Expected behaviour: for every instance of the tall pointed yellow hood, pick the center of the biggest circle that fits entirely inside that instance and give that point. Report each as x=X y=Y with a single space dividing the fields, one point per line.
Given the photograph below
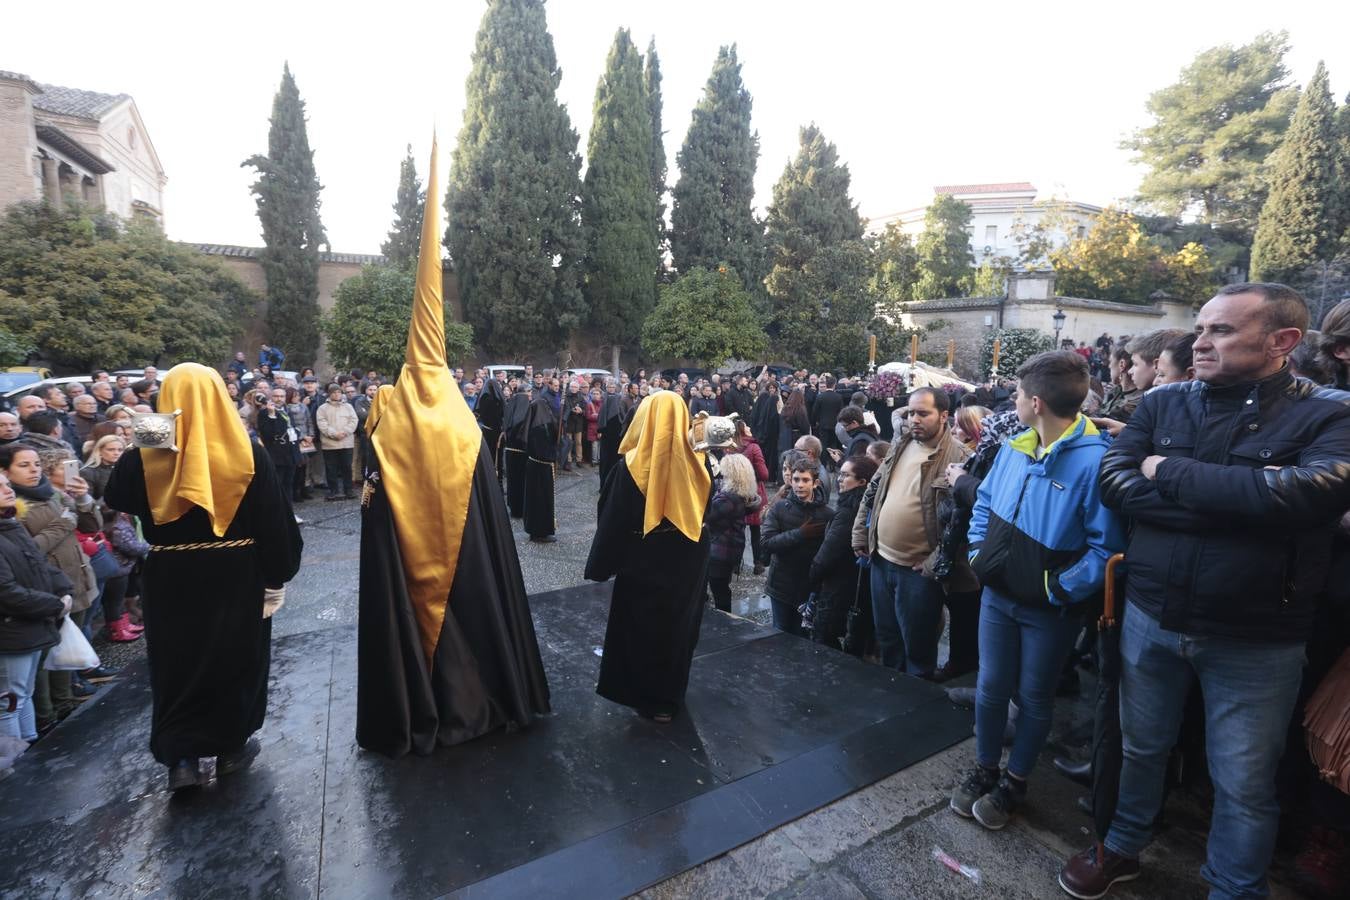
x=428 y=442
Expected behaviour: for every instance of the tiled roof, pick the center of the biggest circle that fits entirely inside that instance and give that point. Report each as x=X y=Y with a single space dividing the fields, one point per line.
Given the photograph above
x=1008 y=187
x=959 y=303
x=79 y=104
x=237 y=251
x=20 y=77
x=60 y=141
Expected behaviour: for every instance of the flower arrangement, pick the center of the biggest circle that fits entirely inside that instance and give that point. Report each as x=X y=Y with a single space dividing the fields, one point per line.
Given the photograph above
x=886 y=385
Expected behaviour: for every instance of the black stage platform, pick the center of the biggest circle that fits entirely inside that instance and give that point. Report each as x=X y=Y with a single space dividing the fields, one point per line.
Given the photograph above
x=592 y=801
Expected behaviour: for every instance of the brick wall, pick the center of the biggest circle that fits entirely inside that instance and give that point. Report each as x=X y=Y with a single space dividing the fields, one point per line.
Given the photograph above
x=18 y=146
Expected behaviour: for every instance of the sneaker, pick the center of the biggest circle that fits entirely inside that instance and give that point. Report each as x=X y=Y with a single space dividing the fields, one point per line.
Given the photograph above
x=299 y=521
x=995 y=808
x=1090 y=874
x=80 y=691
x=979 y=782
x=101 y=674
x=962 y=696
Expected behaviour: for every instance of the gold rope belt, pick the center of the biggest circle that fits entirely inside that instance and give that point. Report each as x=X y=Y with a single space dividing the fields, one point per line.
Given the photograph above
x=204 y=545
x=512 y=450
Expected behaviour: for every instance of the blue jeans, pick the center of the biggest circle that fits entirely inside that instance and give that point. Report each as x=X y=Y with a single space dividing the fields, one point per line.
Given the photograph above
x=1022 y=651
x=786 y=617
x=1249 y=689
x=907 y=609
x=18 y=674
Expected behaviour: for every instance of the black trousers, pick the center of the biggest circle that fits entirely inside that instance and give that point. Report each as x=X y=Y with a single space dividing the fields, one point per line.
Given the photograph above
x=720 y=588
x=338 y=465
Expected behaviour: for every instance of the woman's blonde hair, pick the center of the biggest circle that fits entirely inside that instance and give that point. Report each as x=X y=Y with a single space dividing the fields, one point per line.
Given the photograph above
x=93 y=458
x=738 y=476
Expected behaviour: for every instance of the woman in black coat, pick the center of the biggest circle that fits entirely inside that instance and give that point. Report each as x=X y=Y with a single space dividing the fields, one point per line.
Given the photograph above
x=834 y=570
x=34 y=598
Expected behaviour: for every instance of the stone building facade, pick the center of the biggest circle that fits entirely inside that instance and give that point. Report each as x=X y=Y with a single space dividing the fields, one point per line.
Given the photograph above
x=68 y=142
x=1031 y=302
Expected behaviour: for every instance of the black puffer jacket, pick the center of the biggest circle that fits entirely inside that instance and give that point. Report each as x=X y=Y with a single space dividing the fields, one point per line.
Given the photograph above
x=789 y=574
x=30 y=592
x=1223 y=545
x=834 y=570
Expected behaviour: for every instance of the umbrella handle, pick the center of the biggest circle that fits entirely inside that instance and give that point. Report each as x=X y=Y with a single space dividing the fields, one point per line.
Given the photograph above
x=1108 y=617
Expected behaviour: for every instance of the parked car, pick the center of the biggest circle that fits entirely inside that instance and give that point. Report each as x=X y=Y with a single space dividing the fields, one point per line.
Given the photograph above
x=19 y=376
x=13 y=394
x=694 y=374
x=589 y=374
x=512 y=370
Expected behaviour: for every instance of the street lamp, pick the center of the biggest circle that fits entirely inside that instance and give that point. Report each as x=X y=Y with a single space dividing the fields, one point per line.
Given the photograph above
x=1059 y=318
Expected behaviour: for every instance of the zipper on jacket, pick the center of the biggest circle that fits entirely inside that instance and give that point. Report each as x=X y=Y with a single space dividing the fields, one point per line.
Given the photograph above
x=1017 y=508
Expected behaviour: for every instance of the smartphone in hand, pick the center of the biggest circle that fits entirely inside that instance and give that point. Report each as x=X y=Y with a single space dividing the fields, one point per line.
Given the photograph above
x=70 y=470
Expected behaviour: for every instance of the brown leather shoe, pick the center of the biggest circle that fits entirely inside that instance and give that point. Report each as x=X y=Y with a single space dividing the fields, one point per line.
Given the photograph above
x=1090 y=874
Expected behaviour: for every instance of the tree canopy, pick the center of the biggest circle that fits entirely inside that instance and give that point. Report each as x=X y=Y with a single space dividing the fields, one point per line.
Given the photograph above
x=618 y=203
x=704 y=315
x=651 y=74
x=1300 y=221
x=514 y=193
x=367 y=327
x=945 y=263
x=1206 y=150
x=87 y=290
x=713 y=222
x=1117 y=260
x=404 y=241
x=287 y=193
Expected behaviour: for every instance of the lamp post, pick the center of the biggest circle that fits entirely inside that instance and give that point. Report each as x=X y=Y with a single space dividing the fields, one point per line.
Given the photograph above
x=1059 y=318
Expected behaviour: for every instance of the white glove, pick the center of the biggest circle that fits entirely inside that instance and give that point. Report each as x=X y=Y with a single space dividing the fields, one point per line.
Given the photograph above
x=273 y=600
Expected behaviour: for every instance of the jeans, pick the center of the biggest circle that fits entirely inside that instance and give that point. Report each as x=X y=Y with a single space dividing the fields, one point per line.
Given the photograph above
x=338 y=464
x=907 y=610
x=786 y=616
x=1249 y=690
x=18 y=676
x=1022 y=649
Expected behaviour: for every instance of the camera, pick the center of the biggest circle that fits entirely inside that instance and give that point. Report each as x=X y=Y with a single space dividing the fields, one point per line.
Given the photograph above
x=261 y=398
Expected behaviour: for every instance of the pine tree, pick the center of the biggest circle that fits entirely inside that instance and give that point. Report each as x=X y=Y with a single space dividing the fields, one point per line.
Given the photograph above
x=712 y=222
x=618 y=208
x=1343 y=172
x=1298 y=222
x=945 y=261
x=811 y=213
x=401 y=247
x=652 y=78
x=514 y=195
x=287 y=192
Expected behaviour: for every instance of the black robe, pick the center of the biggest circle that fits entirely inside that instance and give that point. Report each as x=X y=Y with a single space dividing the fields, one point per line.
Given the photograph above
x=657 y=604
x=490 y=410
x=514 y=452
x=208 y=644
x=541 y=449
x=764 y=426
x=486 y=672
x=611 y=433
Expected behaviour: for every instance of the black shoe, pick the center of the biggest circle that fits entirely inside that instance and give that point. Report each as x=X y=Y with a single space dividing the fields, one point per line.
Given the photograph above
x=331 y=497
x=81 y=691
x=229 y=763
x=184 y=774
x=349 y=495
x=546 y=539
x=100 y=675
x=1081 y=773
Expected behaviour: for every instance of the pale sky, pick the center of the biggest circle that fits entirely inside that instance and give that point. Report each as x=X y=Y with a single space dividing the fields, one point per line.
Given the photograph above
x=913 y=95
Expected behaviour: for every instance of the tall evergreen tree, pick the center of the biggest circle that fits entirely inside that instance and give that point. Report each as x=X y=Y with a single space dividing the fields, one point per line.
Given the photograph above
x=811 y=213
x=652 y=77
x=1212 y=132
x=514 y=195
x=1299 y=221
x=712 y=221
x=1343 y=172
x=618 y=208
x=945 y=261
x=401 y=247
x=287 y=192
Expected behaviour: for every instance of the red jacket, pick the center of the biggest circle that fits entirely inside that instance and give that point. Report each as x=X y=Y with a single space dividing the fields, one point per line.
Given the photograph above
x=593 y=420
x=750 y=450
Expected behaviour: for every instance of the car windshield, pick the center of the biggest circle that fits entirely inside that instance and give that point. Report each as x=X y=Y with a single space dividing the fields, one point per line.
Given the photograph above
x=13 y=380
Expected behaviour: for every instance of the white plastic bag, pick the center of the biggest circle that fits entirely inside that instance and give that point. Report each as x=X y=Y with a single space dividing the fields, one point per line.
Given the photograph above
x=74 y=653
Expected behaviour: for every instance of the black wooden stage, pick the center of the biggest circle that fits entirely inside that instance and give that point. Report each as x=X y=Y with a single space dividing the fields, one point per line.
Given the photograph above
x=590 y=802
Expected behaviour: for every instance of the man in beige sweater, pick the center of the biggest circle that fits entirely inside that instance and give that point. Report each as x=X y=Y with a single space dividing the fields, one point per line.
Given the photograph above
x=897 y=528
x=336 y=421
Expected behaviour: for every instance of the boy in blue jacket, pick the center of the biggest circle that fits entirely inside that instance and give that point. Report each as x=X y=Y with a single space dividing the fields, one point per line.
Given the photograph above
x=1039 y=541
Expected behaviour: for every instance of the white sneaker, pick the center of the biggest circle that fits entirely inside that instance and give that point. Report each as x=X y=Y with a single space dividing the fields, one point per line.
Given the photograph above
x=298 y=520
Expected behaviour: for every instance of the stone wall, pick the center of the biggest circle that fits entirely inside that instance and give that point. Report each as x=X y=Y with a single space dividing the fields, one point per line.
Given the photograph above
x=18 y=146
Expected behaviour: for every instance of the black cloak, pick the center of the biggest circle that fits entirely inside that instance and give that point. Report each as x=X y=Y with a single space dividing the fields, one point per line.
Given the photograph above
x=514 y=451
x=541 y=449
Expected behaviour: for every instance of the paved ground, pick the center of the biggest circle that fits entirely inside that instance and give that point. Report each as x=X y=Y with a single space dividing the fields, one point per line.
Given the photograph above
x=887 y=840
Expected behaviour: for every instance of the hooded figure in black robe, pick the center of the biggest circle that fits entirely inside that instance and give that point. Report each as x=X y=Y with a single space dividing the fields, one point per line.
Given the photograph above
x=611 y=432
x=221 y=530
x=541 y=452
x=650 y=539
x=446 y=650
x=490 y=410
x=764 y=425
x=514 y=451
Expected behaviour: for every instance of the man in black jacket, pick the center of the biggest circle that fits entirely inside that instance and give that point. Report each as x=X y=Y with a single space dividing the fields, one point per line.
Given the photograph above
x=826 y=412
x=1234 y=483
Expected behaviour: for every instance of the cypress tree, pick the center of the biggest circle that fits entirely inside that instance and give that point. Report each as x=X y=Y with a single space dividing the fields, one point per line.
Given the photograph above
x=652 y=78
x=811 y=214
x=514 y=194
x=945 y=263
x=1343 y=172
x=401 y=247
x=618 y=207
x=712 y=222
x=287 y=192
x=1297 y=225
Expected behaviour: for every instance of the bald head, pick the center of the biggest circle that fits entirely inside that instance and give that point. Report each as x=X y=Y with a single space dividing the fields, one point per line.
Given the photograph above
x=29 y=405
